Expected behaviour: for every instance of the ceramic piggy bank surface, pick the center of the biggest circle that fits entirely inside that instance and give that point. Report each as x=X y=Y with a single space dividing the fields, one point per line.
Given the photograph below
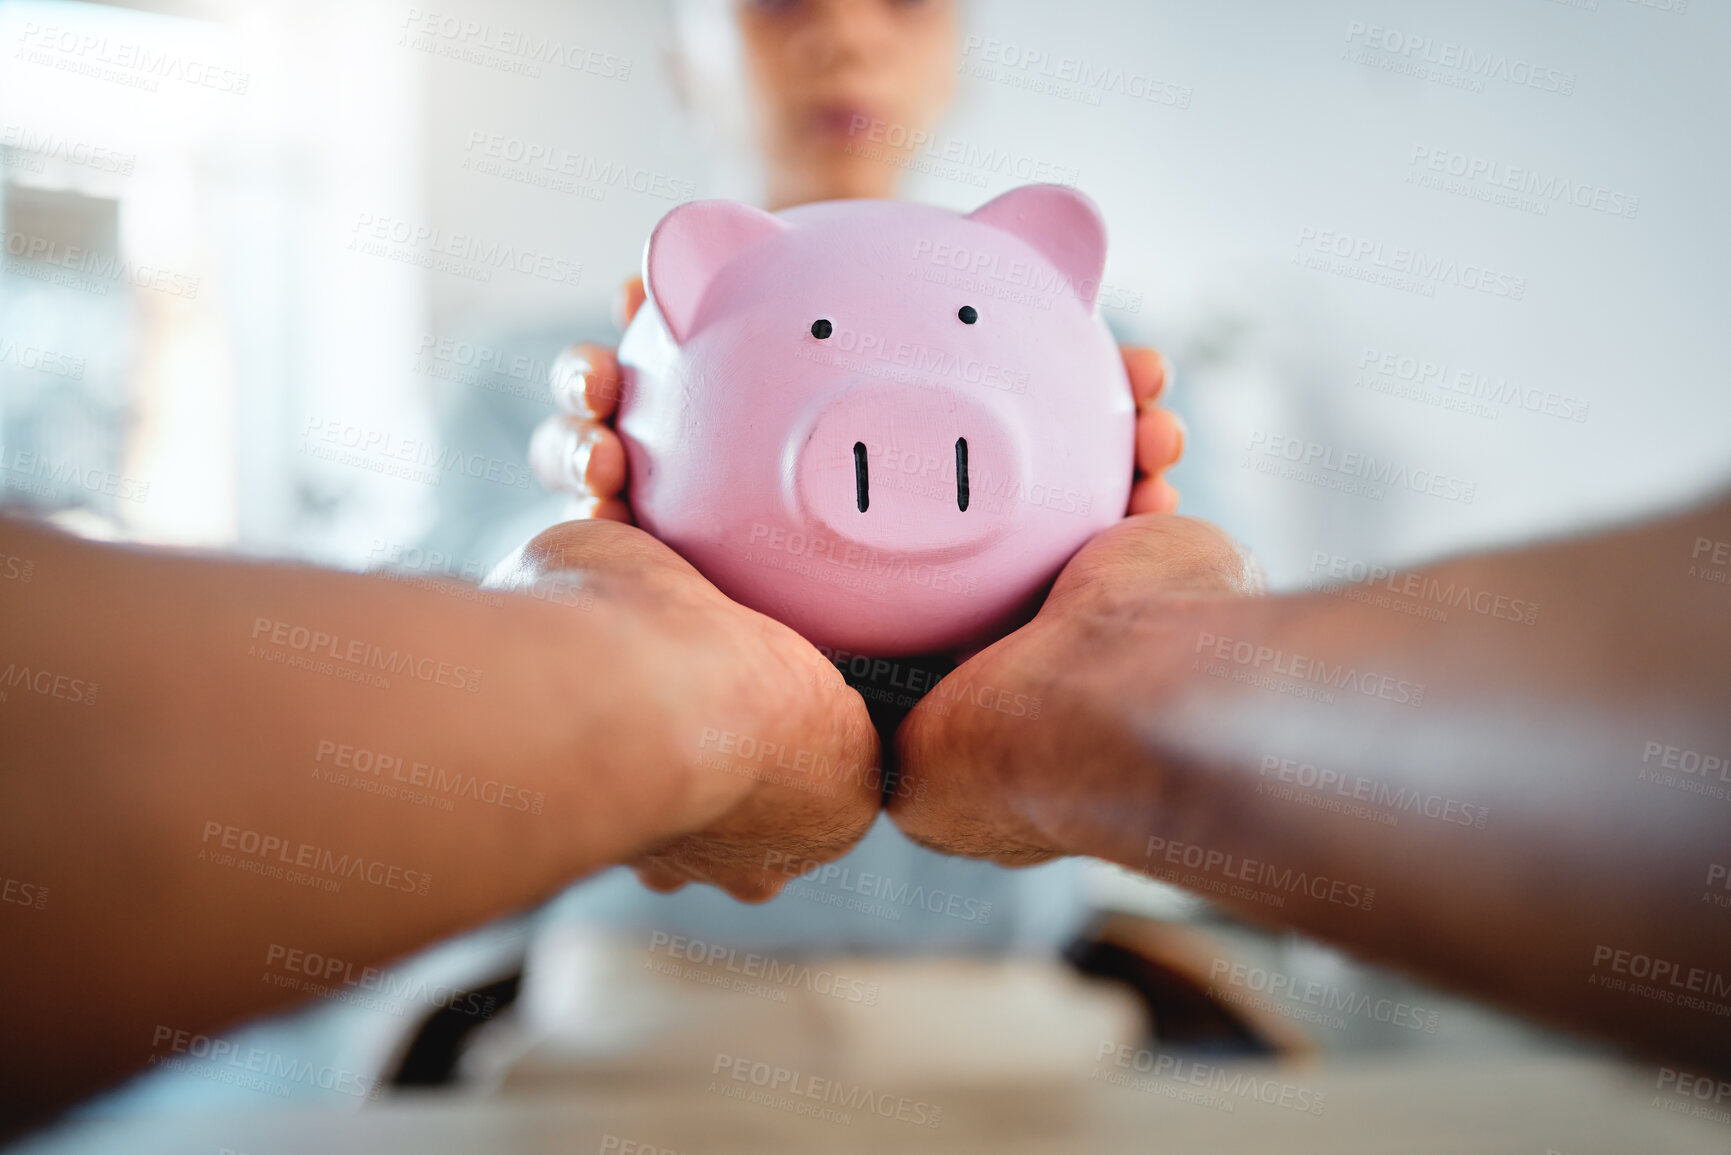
x=885 y=424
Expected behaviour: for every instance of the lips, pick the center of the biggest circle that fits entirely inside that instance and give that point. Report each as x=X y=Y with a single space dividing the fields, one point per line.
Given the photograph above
x=842 y=121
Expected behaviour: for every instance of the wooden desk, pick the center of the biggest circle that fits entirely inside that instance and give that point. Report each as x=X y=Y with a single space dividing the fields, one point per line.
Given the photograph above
x=1394 y=1107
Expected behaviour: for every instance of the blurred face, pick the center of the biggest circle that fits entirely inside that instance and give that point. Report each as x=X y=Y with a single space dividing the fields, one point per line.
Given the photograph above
x=836 y=81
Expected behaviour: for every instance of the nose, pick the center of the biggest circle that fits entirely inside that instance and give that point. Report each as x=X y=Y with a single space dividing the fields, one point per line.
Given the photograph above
x=908 y=470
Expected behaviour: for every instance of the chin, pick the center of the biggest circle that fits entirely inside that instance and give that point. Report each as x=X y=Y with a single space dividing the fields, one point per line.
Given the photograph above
x=852 y=177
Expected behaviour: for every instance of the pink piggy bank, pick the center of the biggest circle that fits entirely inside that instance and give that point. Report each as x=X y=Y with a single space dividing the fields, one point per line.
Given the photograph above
x=885 y=424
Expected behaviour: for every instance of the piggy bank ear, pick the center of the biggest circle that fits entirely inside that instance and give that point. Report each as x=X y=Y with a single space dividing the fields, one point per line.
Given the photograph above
x=687 y=249
x=1063 y=224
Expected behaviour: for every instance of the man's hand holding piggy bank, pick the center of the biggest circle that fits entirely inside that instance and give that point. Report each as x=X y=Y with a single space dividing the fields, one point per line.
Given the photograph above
x=820 y=408
x=885 y=424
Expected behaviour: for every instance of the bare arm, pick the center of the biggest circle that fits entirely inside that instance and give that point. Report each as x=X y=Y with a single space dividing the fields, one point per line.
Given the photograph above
x=202 y=758
x=1527 y=799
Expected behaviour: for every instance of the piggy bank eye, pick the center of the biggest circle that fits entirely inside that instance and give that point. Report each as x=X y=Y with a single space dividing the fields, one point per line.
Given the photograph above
x=821 y=329
x=968 y=314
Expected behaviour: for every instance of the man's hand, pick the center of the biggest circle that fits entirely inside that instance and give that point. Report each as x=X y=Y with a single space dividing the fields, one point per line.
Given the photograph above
x=577 y=452
x=1020 y=788
x=778 y=752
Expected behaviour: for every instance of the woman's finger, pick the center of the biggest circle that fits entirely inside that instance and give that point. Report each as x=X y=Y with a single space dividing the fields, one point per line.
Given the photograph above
x=574 y=455
x=1159 y=440
x=1153 y=495
x=585 y=380
x=1147 y=370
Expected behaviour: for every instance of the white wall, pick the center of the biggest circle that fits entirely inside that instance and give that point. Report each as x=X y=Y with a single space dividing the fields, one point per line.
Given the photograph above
x=1279 y=132
x=1207 y=202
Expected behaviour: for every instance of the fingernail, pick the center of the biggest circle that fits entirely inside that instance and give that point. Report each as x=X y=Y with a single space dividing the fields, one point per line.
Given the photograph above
x=569 y=379
x=583 y=444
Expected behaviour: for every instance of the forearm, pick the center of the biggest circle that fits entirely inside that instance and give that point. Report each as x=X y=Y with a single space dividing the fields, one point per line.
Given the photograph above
x=1472 y=787
x=209 y=759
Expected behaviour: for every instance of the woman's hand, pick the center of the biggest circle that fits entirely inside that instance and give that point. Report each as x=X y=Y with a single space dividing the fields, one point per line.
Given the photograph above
x=779 y=760
x=1159 y=433
x=577 y=452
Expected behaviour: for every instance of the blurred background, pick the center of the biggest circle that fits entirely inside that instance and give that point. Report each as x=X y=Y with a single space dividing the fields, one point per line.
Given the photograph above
x=270 y=267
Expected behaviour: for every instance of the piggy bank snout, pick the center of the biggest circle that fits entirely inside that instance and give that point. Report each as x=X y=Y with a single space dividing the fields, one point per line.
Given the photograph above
x=908 y=470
